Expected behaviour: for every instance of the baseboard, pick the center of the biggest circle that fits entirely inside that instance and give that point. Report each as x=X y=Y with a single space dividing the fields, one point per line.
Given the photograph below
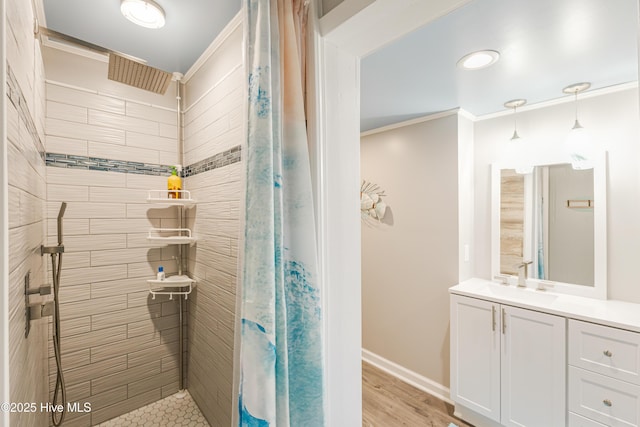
x=403 y=374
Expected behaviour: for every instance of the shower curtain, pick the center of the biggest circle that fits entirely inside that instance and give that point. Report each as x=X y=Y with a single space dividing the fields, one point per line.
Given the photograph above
x=280 y=354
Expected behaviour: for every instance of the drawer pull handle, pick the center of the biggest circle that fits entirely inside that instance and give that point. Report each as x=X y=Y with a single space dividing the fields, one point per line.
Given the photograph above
x=607 y=402
x=607 y=353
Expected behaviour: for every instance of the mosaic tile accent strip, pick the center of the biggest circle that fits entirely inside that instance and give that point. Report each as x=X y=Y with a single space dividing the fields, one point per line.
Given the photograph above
x=170 y=411
x=107 y=165
x=216 y=161
x=15 y=95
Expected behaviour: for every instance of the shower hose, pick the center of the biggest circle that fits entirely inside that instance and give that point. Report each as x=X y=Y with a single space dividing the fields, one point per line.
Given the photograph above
x=60 y=390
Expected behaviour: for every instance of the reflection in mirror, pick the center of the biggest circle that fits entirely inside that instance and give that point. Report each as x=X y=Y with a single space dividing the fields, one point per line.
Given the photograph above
x=547 y=218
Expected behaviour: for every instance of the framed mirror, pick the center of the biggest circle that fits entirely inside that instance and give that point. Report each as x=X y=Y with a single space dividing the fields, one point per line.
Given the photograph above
x=555 y=219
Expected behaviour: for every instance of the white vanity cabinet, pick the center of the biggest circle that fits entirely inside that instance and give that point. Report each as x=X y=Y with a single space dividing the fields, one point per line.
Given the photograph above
x=604 y=375
x=508 y=364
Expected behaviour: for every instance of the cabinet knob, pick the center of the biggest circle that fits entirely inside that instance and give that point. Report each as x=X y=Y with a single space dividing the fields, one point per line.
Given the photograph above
x=607 y=353
x=607 y=402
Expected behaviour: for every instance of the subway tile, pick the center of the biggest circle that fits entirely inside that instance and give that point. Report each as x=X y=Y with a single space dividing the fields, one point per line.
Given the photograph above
x=91 y=132
x=118 y=152
x=148 y=270
x=148 y=112
x=108 y=351
x=163 y=351
x=67 y=193
x=75 y=326
x=153 y=324
x=70 y=226
x=151 y=383
x=55 y=144
x=117 y=195
x=117 y=287
x=146 y=182
x=87 y=340
x=109 y=397
x=119 y=121
x=124 y=256
x=147 y=210
x=126 y=376
x=232 y=83
x=95 y=370
x=14 y=207
x=90 y=210
x=79 y=276
x=67 y=112
x=232 y=101
x=93 y=307
x=161 y=143
x=76 y=176
x=70 y=360
x=168 y=131
x=74 y=293
x=124 y=316
x=106 y=226
x=85 y=99
x=75 y=260
x=84 y=243
x=168 y=158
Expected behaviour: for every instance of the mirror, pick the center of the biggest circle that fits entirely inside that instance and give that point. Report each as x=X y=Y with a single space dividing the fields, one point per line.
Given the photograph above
x=553 y=218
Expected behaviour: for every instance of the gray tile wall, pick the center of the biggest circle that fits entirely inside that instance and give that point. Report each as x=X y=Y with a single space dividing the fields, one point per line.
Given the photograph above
x=25 y=100
x=213 y=135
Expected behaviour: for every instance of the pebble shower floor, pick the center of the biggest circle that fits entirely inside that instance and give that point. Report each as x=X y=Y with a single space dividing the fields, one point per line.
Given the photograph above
x=170 y=411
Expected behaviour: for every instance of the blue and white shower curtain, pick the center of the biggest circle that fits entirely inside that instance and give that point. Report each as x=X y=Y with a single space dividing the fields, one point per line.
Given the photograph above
x=280 y=355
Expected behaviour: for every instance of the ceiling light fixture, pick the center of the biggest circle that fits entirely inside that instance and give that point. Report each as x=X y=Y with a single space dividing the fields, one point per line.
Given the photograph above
x=578 y=143
x=518 y=150
x=145 y=13
x=478 y=60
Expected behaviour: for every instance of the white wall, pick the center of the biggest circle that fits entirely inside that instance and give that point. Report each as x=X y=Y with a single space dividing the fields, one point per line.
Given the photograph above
x=613 y=121
x=409 y=264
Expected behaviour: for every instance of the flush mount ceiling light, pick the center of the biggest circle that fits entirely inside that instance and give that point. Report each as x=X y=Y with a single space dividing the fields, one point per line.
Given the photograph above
x=145 y=13
x=478 y=60
x=578 y=144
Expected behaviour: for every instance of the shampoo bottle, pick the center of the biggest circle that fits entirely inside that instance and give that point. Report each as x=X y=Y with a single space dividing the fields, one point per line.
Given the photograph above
x=174 y=183
x=161 y=275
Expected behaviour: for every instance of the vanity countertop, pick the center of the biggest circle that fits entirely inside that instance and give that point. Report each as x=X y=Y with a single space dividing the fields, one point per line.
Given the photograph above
x=618 y=314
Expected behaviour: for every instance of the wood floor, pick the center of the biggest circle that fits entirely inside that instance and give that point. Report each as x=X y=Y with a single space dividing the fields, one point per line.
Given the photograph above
x=389 y=402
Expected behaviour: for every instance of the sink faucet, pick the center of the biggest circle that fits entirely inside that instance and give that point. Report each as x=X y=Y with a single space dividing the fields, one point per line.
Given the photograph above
x=523 y=273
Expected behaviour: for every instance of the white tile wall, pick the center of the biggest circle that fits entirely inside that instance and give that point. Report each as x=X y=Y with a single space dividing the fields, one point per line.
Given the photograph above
x=212 y=126
x=27 y=194
x=87 y=123
x=114 y=335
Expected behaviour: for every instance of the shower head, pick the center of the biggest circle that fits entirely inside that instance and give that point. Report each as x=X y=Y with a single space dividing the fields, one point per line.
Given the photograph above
x=123 y=68
x=63 y=207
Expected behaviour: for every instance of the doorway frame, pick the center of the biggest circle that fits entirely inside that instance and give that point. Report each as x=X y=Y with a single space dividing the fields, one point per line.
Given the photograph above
x=349 y=32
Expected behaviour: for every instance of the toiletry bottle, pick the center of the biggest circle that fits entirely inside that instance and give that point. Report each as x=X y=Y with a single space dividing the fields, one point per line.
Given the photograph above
x=161 y=275
x=174 y=183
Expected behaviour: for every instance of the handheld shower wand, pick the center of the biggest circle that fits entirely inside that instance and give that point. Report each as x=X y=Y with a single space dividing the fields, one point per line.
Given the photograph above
x=56 y=257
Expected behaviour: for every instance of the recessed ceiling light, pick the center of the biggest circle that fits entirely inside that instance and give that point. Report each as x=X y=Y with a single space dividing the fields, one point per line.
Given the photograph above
x=145 y=13
x=478 y=60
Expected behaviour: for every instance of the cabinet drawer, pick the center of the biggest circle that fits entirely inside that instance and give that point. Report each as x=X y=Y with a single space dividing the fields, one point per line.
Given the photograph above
x=576 y=420
x=603 y=399
x=608 y=351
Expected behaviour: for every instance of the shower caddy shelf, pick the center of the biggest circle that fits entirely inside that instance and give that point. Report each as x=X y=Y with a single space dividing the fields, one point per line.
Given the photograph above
x=178 y=284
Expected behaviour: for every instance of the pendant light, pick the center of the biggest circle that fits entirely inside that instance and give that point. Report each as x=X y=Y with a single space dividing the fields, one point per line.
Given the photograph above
x=518 y=152
x=578 y=143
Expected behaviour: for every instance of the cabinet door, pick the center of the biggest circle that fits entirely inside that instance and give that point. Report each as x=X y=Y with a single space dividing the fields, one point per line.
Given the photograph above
x=533 y=368
x=475 y=355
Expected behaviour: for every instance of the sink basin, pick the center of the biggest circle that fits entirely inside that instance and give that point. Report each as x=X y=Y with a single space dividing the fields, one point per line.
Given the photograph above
x=521 y=294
